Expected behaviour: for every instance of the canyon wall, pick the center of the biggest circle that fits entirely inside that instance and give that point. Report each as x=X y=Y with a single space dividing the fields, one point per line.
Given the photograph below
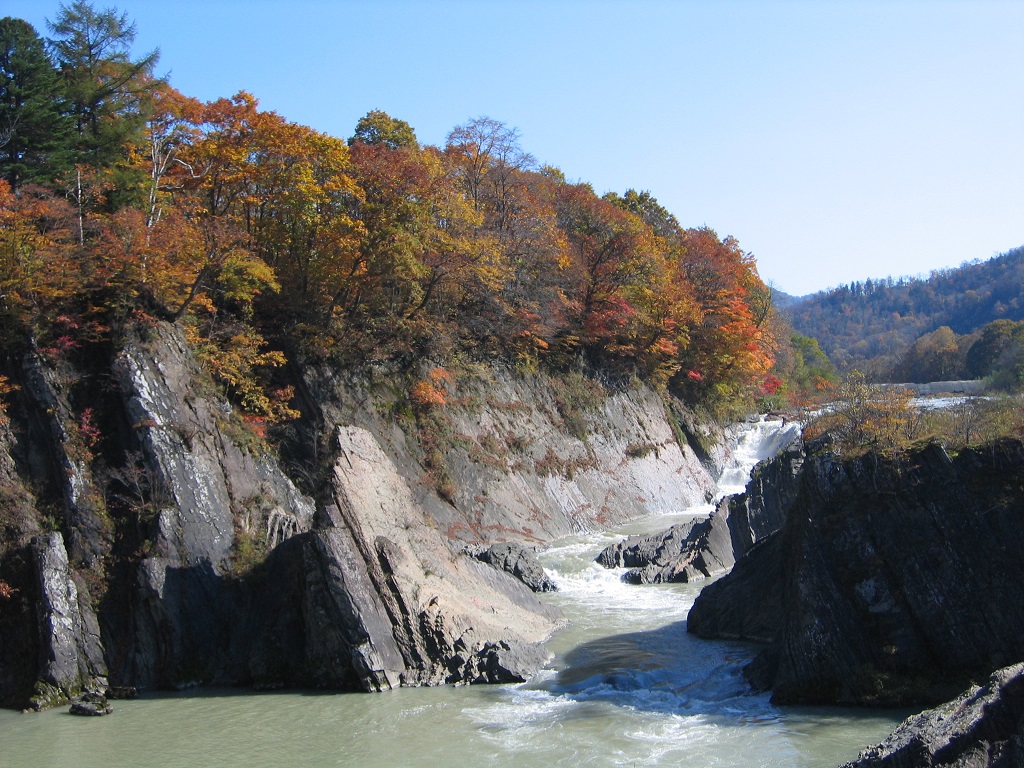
x=153 y=539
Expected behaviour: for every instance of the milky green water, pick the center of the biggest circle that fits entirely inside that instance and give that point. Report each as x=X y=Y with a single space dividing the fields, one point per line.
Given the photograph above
x=628 y=687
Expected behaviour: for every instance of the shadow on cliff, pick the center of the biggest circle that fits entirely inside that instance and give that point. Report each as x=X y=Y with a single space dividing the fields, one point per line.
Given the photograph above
x=662 y=670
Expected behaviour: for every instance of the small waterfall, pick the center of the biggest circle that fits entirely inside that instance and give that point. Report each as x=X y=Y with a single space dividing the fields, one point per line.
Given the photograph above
x=755 y=441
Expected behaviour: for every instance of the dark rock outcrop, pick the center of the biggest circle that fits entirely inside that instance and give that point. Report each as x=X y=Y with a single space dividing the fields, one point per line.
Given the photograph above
x=519 y=561
x=895 y=580
x=19 y=581
x=981 y=728
x=208 y=495
x=366 y=596
x=65 y=456
x=699 y=549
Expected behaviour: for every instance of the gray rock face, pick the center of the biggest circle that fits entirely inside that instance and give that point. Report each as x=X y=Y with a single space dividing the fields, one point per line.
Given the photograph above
x=520 y=562
x=222 y=572
x=18 y=615
x=69 y=468
x=898 y=579
x=520 y=473
x=699 y=549
x=981 y=728
x=206 y=481
x=210 y=492
x=70 y=654
x=428 y=615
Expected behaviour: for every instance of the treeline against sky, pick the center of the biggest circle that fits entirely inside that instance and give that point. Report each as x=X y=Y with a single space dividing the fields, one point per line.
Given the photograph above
x=915 y=329
x=123 y=200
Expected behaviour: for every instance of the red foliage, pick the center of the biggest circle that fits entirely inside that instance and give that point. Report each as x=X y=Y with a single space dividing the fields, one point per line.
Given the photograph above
x=258 y=425
x=88 y=429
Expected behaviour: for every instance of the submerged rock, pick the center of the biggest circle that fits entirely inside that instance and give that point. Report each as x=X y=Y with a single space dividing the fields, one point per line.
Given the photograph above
x=894 y=580
x=982 y=727
x=91 y=705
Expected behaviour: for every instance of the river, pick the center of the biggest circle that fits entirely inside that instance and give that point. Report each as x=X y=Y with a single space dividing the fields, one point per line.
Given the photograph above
x=628 y=687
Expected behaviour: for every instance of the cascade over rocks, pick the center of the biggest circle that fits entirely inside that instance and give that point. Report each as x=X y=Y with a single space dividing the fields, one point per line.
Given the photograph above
x=217 y=569
x=699 y=549
x=894 y=580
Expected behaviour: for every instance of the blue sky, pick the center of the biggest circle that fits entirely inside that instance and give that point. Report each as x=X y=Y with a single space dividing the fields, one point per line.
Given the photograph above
x=836 y=140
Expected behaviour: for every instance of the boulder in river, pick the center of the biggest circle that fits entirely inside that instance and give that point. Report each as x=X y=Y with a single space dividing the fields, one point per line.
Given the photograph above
x=91 y=705
x=702 y=548
x=519 y=561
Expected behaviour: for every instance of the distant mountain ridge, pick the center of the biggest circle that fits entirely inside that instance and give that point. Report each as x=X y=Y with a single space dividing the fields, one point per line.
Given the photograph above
x=869 y=324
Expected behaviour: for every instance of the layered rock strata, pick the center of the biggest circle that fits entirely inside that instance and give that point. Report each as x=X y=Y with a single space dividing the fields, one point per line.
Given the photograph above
x=893 y=581
x=192 y=557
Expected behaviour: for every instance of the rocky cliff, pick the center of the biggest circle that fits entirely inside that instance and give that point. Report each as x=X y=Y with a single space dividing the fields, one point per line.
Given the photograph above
x=151 y=538
x=894 y=580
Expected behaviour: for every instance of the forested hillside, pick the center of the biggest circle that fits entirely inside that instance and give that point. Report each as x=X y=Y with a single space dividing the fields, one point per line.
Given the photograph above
x=123 y=200
x=872 y=325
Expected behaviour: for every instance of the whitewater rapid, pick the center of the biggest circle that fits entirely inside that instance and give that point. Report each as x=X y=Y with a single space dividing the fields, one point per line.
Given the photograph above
x=629 y=686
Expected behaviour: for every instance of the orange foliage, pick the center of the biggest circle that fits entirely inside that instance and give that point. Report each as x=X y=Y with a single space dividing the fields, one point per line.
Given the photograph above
x=237 y=219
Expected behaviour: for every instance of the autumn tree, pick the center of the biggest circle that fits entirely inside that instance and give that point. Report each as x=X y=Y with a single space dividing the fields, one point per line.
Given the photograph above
x=488 y=160
x=935 y=356
x=233 y=222
x=623 y=305
x=998 y=353
x=378 y=127
x=725 y=361
x=173 y=125
x=868 y=416
x=654 y=214
x=288 y=187
x=813 y=373
x=38 y=271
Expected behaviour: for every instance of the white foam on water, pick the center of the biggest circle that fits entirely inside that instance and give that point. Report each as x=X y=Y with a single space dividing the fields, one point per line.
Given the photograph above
x=756 y=442
x=628 y=676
